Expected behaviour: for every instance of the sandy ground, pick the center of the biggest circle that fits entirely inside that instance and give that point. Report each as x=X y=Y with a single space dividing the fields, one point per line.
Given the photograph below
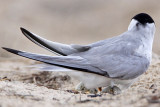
x=20 y=86
x=70 y=22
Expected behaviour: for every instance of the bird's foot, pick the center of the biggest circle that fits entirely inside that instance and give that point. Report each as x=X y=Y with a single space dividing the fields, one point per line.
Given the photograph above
x=112 y=90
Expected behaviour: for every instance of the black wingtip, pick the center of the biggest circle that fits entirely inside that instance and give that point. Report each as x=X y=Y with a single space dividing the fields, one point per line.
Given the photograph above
x=24 y=31
x=21 y=28
x=11 y=50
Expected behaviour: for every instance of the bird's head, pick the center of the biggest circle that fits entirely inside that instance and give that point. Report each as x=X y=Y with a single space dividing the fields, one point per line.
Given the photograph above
x=142 y=22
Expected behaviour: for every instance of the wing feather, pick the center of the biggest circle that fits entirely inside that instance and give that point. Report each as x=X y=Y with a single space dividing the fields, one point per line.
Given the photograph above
x=58 y=48
x=69 y=62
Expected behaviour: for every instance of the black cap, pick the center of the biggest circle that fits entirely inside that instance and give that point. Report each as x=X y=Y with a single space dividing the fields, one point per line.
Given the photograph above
x=143 y=18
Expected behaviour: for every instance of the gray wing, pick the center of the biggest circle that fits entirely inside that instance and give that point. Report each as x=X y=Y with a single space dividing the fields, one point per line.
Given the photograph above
x=55 y=47
x=118 y=58
x=122 y=67
x=69 y=62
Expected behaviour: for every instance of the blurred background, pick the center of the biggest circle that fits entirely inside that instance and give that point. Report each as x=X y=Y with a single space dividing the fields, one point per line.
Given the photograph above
x=70 y=21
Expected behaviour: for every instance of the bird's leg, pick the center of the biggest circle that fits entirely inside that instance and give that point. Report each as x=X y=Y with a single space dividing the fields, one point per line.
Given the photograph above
x=112 y=90
x=99 y=89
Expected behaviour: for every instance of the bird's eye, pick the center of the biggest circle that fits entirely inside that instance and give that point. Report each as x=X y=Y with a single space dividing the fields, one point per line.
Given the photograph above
x=137 y=24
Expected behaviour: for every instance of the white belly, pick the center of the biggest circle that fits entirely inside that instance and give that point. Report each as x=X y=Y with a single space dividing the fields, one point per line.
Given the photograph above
x=91 y=80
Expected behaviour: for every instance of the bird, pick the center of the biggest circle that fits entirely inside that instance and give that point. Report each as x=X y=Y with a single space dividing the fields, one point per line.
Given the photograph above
x=114 y=63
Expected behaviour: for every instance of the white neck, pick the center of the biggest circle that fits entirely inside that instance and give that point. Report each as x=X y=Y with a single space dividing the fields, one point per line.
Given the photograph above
x=146 y=34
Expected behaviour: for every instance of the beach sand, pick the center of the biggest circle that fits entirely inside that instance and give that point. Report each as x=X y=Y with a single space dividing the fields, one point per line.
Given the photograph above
x=71 y=22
